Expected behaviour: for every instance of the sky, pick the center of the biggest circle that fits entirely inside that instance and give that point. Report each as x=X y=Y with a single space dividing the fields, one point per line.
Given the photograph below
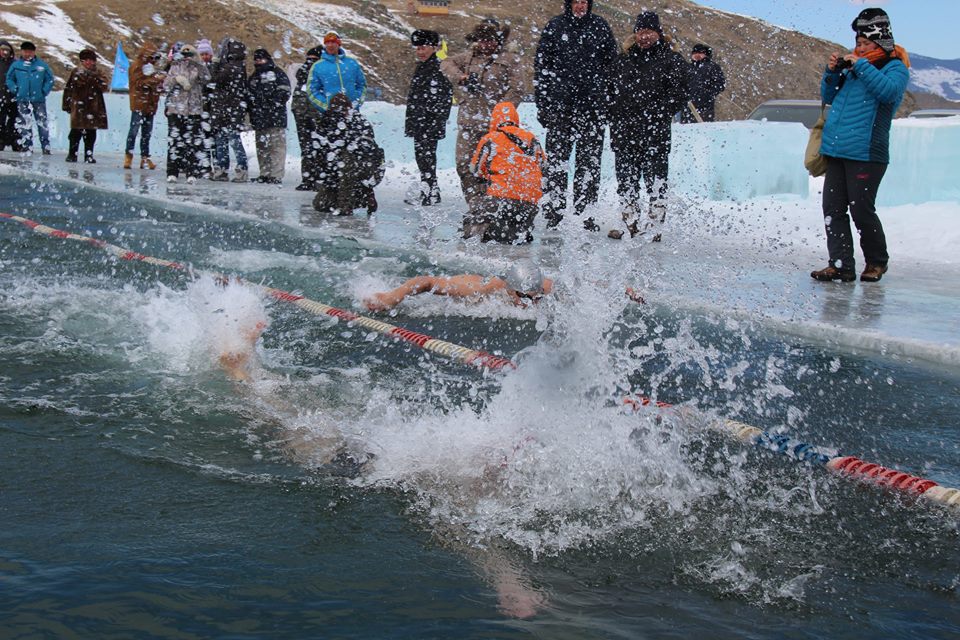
x=927 y=27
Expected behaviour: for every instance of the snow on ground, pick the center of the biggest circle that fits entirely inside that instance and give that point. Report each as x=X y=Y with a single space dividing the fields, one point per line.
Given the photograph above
x=52 y=25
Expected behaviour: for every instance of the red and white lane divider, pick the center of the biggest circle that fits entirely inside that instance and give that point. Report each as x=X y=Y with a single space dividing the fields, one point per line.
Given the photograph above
x=455 y=352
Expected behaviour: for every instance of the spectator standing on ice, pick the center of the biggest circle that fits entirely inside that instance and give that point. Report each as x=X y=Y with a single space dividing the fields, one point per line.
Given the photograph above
x=647 y=87
x=146 y=85
x=336 y=72
x=184 y=86
x=307 y=119
x=205 y=54
x=8 y=102
x=571 y=72
x=353 y=161
x=83 y=100
x=511 y=161
x=30 y=80
x=269 y=89
x=706 y=83
x=428 y=107
x=482 y=77
x=865 y=88
x=228 y=109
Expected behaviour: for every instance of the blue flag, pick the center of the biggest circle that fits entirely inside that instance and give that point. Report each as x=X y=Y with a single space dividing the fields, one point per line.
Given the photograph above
x=121 y=71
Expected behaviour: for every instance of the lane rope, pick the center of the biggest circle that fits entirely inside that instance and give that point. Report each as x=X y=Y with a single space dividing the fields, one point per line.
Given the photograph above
x=455 y=352
x=846 y=466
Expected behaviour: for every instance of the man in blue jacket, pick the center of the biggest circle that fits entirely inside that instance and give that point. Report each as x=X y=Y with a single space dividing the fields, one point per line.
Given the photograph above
x=31 y=81
x=336 y=73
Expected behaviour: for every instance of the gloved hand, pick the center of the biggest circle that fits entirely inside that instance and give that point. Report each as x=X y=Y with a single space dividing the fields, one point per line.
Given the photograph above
x=183 y=82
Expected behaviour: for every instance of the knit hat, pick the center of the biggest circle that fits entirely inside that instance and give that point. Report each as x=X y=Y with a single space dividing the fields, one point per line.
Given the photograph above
x=316 y=52
x=204 y=46
x=188 y=50
x=425 y=38
x=702 y=48
x=489 y=29
x=28 y=46
x=648 y=20
x=262 y=54
x=874 y=25
x=332 y=36
x=87 y=54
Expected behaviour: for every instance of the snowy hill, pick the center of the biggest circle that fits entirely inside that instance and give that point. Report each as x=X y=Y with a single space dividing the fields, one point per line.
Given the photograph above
x=940 y=77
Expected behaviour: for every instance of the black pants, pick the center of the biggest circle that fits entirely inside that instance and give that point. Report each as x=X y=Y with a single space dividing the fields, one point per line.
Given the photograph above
x=851 y=185
x=641 y=157
x=309 y=139
x=584 y=130
x=8 y=125
x=89 y=137
x=425 y=151
x=186 y=152
x=502 y=220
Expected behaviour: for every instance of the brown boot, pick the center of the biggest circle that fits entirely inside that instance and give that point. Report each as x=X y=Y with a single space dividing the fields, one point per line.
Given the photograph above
x=873 y=273
x=128 y=161
x=831 y=273
x=145 y=161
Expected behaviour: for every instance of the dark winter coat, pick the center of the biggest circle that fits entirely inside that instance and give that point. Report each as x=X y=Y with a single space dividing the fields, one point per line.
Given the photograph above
x=269 y=89
x=229 y=98
x=428 y=102
x=343 y=130
x=300 y=105
x=572 y=65
x=145 y=88
x=6 y=96
x=706 y=83
x=648 y=86
x=83 y=98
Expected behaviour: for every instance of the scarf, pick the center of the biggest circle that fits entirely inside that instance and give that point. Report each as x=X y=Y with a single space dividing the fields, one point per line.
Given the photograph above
x=898 y=52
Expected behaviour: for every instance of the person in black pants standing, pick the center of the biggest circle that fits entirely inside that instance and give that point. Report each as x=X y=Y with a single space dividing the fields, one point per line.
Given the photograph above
x=574 y=57
x=428 y=108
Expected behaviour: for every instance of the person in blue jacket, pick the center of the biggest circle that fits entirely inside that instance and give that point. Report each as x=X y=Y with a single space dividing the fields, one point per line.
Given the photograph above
x=335 y=73
x=864 y=88
x=30 y=80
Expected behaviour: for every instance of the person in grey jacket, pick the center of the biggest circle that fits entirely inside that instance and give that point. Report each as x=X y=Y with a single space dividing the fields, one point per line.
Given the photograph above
x=30 y=80
x=184 y=88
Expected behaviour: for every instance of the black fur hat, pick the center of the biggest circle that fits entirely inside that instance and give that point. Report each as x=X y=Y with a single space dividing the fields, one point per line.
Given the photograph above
x=648 y=20
x=425 y=38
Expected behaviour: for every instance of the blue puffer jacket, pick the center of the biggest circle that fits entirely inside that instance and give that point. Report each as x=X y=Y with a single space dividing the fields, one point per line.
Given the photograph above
x=858 y=126
x=30 y=81
x=336 y=74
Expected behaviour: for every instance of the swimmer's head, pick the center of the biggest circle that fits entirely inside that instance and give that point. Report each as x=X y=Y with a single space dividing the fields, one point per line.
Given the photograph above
x=525 y=277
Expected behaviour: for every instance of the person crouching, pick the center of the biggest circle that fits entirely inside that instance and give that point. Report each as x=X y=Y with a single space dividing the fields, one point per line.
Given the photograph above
x=511 y=160
x=352 y=163
x=83 y=100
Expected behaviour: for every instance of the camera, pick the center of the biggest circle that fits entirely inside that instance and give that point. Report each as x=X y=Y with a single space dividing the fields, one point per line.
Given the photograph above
x=843 y=63
x=472 y=83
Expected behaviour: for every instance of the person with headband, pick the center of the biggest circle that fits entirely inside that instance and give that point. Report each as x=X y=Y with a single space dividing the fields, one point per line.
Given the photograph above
x=865 y=88
x=336 y=72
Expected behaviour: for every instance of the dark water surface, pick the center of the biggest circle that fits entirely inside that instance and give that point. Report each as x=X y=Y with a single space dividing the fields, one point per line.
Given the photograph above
x=144 y=495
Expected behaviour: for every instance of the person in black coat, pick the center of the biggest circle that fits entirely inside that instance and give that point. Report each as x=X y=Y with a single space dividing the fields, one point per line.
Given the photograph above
x=647 y=87
x=8 y=102
x=571 y=71
x=353 y=162
x=228 y=108
x=307 y=119
x=706 y=83
x=428 y=107
x=269 y=89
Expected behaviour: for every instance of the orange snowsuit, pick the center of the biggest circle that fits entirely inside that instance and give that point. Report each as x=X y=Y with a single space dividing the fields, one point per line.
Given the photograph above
x=510 y=158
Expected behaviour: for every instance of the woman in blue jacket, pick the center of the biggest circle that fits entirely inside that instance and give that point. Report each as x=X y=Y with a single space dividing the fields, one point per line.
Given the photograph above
x=864 y=88
x=336 y=73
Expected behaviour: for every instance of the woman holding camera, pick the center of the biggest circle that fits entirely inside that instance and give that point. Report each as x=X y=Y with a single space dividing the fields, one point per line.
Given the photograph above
x=864 y=88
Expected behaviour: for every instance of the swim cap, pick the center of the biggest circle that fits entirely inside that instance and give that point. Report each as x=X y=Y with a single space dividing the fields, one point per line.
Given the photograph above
x=524 y=276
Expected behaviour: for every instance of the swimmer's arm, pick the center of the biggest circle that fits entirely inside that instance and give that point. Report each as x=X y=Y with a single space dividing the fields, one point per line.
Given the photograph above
x=390 y=299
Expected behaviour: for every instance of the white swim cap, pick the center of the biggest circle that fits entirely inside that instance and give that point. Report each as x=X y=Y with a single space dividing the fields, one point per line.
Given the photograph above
x=524 y=276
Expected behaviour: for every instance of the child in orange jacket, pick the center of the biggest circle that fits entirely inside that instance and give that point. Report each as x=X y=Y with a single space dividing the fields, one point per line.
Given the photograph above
x=511 y=160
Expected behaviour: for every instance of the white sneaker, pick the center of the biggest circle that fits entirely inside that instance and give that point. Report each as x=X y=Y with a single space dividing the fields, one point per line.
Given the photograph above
x=171 y=178
x=191 y=180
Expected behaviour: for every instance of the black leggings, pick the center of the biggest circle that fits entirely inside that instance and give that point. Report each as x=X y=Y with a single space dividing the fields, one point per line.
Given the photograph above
x=425 y=151
x=852 y=185
x=89 y=137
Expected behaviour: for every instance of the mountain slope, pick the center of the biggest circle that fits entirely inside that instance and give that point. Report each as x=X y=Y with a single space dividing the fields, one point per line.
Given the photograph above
x=939 y=77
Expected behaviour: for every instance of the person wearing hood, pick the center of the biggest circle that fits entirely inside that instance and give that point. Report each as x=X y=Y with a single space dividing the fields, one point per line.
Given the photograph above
x=865 y=89
x=228 y=101
x=269 y=89
x=706 y=83
x=482 y=77
x=510 y=160
x=429 y=101
x=307 y=119
x=571 y=72
x=83 y=100
x=8 y=102
x=146 y=85
x=30 y=80
x=205 y=55
x=648 y=86
x=336 y=72
x=352 y=161
x=184 y=87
